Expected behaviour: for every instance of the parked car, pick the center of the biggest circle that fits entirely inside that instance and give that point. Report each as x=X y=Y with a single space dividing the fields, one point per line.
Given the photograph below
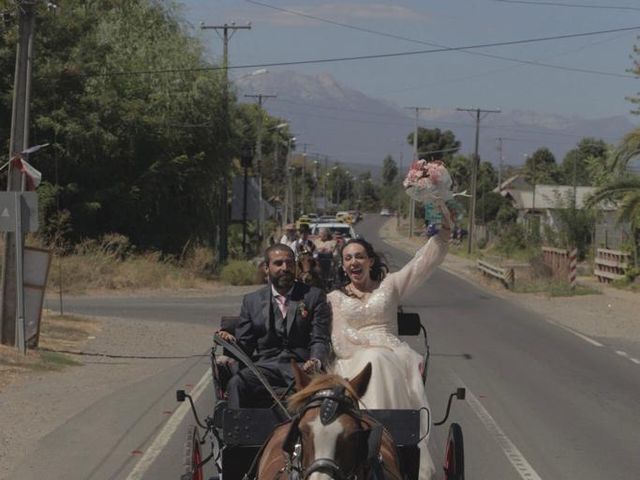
x=343 y=229
x=385 y=212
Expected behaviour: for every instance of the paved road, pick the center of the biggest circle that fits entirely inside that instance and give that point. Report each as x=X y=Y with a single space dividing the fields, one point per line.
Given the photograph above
x=543 y=403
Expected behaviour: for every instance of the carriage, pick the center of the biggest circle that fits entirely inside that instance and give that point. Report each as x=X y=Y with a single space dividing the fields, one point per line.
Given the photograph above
x=235 y=436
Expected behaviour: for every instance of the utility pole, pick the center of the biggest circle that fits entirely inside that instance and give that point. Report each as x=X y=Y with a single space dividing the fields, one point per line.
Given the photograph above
x=223 y=228
x=19 y=142
x=288 y=201
x=412 y=202
x=400 y=197
x=479 y=115
x=304 y=168
x=260 y=97
x=500 y=162
x=324 y=181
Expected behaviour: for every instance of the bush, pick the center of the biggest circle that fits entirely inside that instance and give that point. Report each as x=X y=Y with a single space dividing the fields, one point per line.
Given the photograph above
x=511 y=239
x=238 y=272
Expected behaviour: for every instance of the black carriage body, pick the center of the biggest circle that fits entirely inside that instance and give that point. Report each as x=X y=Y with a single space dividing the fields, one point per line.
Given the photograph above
x=245 y=430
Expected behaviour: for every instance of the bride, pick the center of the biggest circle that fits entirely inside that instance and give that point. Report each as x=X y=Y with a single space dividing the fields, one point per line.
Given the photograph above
x=365 y=329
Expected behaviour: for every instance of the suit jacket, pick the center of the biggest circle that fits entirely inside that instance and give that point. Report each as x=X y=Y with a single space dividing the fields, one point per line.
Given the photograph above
x=308 y=323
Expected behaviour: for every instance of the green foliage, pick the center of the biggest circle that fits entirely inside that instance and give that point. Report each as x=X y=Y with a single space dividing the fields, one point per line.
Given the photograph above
x=507 y=214
x=389 y=170
x=541 y=168
x=459 y=167
x=434 y=144
x=511 y=238
x=141 y=154
x=239 y=272
x=489 y=206
x=574 y=227
x=583 y=164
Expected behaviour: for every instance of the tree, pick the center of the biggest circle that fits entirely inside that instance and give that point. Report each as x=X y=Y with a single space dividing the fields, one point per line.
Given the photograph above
x=389 y=170
x=143 y=155
x=435 y=144
x=623 y=187
x=541 y=168
x=459 y=167
x=579 y=164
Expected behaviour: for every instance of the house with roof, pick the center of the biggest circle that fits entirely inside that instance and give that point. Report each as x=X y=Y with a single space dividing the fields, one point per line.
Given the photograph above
x=546 y=201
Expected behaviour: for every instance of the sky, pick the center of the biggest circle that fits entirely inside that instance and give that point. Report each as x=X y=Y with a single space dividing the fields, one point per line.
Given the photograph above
x=450 y=79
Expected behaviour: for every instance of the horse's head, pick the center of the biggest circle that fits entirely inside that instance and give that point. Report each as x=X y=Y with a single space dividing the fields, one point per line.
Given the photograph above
x=329 y=438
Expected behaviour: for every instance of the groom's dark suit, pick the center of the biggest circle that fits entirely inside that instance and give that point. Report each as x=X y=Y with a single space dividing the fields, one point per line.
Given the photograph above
x=272 y=341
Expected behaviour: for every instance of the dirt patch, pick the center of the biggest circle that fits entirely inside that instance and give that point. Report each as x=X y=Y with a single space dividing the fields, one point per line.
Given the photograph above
x=58 y=332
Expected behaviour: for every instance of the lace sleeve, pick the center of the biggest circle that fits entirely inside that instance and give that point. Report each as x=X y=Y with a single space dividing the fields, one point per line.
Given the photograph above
x=422 y=265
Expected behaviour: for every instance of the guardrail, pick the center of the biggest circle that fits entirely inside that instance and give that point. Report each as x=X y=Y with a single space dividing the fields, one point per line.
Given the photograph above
x=610 y=264
x=505 y=275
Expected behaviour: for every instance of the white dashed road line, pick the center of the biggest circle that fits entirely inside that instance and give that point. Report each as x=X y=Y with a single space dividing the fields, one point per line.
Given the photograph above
x=167 y=431
x=522 y=466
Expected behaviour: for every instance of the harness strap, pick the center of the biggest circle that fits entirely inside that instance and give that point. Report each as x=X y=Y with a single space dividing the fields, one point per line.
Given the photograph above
x=252 y=472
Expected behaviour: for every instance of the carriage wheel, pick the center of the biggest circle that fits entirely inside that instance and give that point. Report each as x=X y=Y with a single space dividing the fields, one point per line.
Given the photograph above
x=454 y=456
x=192 y=456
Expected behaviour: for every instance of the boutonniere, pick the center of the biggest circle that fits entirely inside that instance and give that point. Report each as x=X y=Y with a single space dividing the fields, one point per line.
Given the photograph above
x=302 y=308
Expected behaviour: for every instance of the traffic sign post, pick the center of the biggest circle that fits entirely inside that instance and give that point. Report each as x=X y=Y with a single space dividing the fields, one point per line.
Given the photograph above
x=19 y=214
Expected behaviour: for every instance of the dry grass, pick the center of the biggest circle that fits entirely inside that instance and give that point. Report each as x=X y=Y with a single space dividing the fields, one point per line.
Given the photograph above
x=101 y=266
x=65 y=332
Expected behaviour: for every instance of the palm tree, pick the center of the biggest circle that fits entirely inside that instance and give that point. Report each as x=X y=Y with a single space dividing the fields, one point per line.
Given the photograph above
x=629 y=150
x=624 y=188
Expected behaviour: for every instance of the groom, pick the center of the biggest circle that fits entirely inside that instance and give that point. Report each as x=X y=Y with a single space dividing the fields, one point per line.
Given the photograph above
x=283 y=321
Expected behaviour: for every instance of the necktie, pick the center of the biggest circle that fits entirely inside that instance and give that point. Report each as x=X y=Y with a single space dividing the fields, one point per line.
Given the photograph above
x=282 y=305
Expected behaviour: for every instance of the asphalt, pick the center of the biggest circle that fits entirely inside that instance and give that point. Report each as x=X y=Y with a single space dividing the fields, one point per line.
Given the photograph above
x=542 y=402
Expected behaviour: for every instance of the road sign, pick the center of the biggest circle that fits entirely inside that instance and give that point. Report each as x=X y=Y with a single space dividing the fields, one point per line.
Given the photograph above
x=9 y=202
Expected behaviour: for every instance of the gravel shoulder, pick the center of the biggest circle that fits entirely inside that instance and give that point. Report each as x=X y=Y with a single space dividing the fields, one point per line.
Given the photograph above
x=611 y=314
x=36 y=403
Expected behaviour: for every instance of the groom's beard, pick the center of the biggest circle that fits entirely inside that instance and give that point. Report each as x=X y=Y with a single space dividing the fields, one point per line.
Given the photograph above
x=282 y=281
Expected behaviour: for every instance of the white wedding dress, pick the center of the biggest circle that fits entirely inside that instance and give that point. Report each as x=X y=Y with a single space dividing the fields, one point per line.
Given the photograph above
x=365 y=330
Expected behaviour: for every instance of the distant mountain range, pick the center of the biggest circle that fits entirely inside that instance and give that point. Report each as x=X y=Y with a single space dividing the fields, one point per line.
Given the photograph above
x=358 y=130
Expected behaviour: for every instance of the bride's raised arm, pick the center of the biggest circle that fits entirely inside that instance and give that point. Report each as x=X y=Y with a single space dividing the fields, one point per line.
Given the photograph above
x=422 y=265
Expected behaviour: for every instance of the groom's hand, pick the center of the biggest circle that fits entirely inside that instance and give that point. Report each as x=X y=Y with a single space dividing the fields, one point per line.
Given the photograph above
x=226 y=336
x=312 y=365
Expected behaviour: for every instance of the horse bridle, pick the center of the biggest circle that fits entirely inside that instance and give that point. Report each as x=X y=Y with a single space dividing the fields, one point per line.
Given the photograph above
x=333 y=403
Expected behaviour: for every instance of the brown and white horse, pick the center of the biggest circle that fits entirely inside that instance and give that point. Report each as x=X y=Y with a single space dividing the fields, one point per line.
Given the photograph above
x=329 y=438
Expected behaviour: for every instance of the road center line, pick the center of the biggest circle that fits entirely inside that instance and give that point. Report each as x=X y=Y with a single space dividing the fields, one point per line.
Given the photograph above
x=168 y=430
x=522 y=466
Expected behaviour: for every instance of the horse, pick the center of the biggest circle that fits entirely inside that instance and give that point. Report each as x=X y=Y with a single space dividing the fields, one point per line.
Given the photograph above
x=307 y=270
x=329 y=437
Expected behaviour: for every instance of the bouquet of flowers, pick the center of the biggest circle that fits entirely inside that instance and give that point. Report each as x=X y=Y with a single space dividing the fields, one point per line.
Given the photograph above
x=430 y=183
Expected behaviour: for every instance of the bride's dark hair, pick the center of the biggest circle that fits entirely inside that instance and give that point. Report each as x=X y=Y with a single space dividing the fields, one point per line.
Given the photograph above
x=378 y=270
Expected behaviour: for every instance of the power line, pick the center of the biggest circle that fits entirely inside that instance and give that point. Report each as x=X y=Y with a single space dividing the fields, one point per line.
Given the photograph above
x=383 y=55
x=570 y=5
x=522 y=63
x=439 y=45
